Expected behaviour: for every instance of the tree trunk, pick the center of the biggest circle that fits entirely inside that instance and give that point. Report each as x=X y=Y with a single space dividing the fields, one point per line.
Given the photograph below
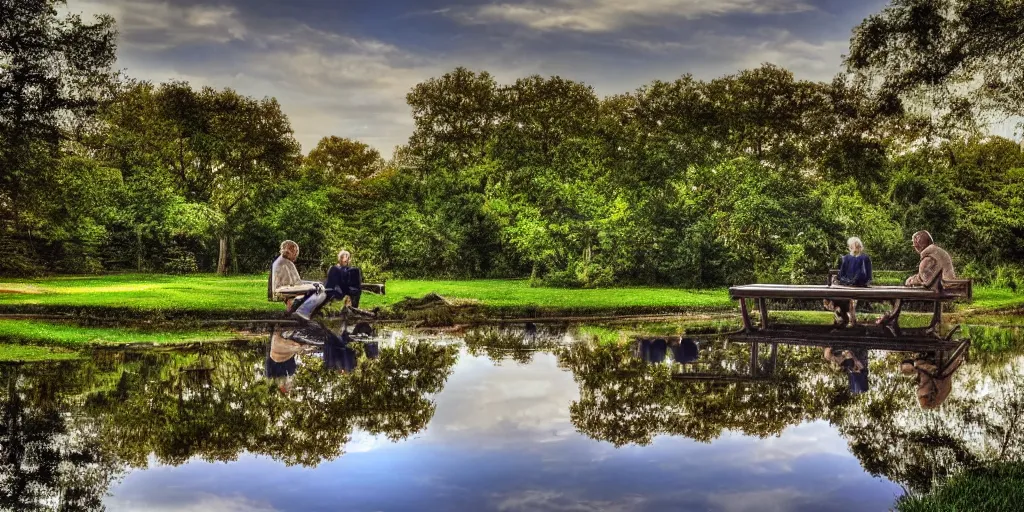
x=222 y=260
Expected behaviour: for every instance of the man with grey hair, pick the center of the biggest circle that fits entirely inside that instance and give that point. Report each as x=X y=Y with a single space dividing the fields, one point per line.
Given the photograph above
x=287 y=285
x=934 y=261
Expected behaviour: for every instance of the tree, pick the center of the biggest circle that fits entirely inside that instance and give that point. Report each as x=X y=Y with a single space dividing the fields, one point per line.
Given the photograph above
x=53 y=72
x=965 y=55
x=335 y=159
x=224 y=153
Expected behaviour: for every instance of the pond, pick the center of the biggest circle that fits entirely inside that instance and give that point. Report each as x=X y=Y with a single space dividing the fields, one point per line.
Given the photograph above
x=498 y=419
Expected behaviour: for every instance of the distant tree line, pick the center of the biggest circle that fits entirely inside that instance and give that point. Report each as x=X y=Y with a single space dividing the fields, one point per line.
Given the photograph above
x=750 y=176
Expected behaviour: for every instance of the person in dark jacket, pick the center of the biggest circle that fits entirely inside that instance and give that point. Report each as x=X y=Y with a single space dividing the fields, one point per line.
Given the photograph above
x=854 y=270
x=344 y=280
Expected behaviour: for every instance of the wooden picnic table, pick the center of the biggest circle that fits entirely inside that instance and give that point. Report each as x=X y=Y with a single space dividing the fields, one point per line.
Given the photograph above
x=935 y=292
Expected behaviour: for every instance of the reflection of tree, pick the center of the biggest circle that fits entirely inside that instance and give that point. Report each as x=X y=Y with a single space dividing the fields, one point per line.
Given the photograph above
x=46 y=456
x=178 y=413
x=67 y=429
x=500 y=344
x=980 y=423
x=624 y=400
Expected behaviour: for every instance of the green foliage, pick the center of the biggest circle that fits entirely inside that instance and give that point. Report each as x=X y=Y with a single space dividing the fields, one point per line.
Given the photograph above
x=999 y=486
x=753 y=176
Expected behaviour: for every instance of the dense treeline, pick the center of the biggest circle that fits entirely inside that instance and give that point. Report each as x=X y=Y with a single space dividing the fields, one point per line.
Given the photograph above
x=756 y=175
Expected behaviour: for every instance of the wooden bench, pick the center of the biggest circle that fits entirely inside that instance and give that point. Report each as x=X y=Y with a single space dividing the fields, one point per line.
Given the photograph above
x=935 y=292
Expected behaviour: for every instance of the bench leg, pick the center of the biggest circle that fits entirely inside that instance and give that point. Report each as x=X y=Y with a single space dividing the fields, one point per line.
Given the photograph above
x=775 y=356
x=936 y=316
x=762 y=306
x=894 y=317
x=745 y=314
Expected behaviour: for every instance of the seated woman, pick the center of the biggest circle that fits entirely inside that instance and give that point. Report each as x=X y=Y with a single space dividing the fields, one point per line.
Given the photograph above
x=344 y=280
x=854 y=270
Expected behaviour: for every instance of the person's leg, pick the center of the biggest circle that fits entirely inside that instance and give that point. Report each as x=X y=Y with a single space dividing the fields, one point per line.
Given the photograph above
x=354 y=295
x=307 y=308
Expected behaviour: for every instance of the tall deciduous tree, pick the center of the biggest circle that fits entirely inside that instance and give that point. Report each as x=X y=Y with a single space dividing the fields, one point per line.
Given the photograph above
x=958 y=52
x=53 y=71
x=220 y=150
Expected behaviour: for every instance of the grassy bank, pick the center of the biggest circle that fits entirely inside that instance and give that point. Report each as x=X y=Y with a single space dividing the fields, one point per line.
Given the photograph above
x=1000 y=487
x=64 y=334
x=245 y=296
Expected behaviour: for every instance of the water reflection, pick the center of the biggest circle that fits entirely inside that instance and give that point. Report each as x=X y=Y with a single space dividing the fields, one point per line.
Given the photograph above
x=70 y=429
x=852 y=361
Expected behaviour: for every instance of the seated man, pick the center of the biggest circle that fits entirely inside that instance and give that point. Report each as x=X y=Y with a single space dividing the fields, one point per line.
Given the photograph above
x=934 y=261
x=287 y=285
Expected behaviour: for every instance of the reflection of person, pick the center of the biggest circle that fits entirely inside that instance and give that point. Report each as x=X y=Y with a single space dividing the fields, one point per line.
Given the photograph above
x=281 y=364
x=854 y=362
x=854 y=270
x=287 y=283
x=684 y=351
x=934 y=261
x=652 y=351
x=934 y=376
x=339 y=355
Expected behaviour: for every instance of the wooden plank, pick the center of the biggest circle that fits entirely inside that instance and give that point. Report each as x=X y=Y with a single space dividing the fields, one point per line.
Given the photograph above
x=872 y=342
x=723 y=377
x=782 y=291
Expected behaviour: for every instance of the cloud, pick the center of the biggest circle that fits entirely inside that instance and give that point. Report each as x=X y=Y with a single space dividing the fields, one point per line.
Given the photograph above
x=612 y=15
x=557 y=501
x=199 y=502
x=328 y=83
x=719 y=54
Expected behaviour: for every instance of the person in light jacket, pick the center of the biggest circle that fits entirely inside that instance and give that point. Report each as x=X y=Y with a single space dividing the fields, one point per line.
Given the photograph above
x=288 y=285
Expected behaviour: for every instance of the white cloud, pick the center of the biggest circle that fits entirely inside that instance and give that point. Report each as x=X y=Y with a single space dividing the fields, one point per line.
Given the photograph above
x=611 y=15
x=718 y=54
x=201 y=502
x=554 y=501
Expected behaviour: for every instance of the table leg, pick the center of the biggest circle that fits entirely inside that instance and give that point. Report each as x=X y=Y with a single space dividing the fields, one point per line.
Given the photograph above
x=762 y=306
x=775 y=356
x=753 y=359
x=894 y=318
x=745 y=314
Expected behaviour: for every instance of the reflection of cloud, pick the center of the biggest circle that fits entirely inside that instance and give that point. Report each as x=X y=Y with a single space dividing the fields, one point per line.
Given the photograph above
x=516 y=404
x=558 y=501
x=201 y=502
x=762 y=501
x=610 y=15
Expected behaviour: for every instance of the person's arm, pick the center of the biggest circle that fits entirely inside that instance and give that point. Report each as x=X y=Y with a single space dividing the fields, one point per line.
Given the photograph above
x=867 y=268
x=925 y=272
x=287 y=281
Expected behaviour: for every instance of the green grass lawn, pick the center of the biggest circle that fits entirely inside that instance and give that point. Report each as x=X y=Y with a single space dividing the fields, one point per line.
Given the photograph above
x=248 y=294
x=31 y=353
x=54 y=333
x=1000 y=487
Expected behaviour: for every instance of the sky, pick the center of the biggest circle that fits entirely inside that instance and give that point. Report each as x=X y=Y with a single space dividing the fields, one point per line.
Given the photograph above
x=343 y=67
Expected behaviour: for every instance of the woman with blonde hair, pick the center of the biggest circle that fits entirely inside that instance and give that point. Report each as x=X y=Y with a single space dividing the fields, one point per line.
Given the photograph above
x=854 y=270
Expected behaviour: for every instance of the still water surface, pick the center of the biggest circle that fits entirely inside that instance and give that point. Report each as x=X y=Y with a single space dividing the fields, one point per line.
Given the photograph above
x=494 y=420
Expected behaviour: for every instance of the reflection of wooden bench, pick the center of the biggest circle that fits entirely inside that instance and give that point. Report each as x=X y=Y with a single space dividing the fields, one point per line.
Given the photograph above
x=935 y=292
